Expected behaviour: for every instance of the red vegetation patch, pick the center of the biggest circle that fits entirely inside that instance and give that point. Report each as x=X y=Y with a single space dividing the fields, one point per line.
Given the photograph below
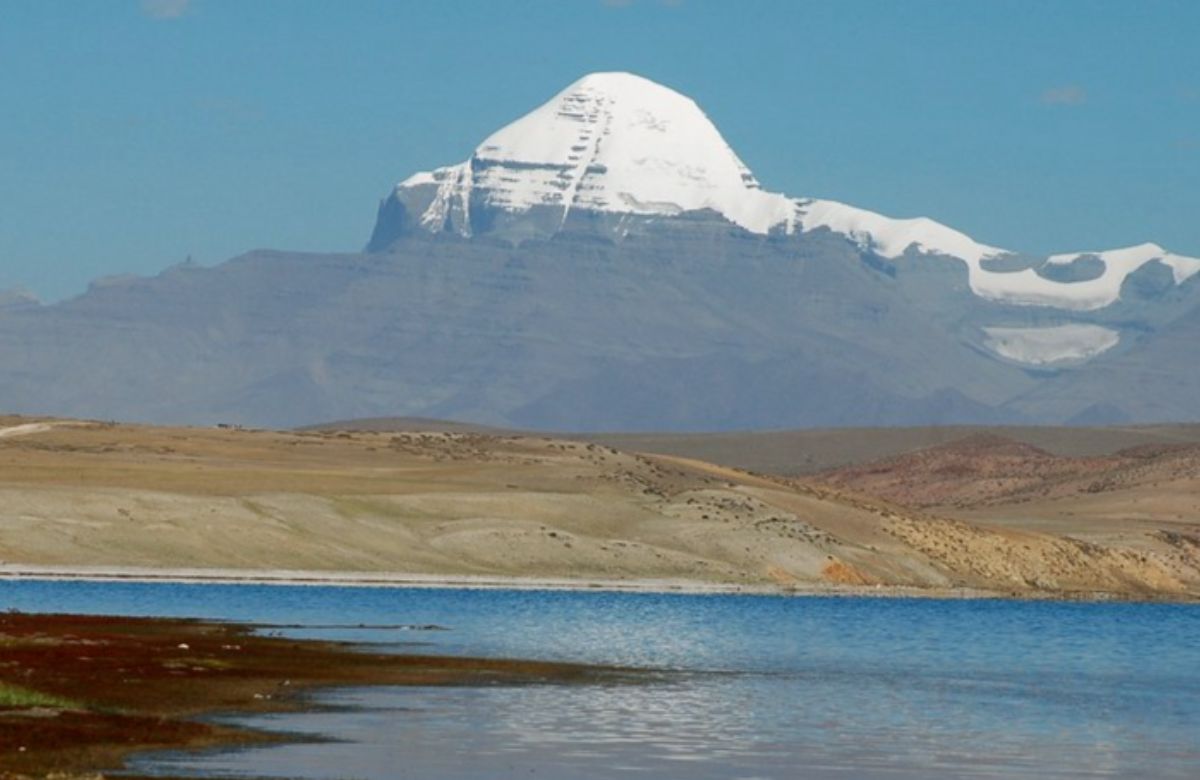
x=119 y=685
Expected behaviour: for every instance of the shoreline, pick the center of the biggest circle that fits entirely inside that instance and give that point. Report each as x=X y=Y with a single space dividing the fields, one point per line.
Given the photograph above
x=400 y=580
x=81 y=694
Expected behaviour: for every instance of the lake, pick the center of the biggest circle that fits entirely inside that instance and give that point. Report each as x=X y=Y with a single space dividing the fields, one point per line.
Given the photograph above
x=759 y=686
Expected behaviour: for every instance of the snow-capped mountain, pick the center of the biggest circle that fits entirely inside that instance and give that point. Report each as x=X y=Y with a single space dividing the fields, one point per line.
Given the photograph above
x=622 y=145
x=611 y=142
x=633 y=151
x=608 y=262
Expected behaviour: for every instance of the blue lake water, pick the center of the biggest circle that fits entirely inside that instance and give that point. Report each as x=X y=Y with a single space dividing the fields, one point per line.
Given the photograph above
x=764 y=687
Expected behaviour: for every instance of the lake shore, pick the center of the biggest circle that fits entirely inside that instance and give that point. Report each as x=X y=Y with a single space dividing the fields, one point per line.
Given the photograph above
x=80 y=694
x=350 y=579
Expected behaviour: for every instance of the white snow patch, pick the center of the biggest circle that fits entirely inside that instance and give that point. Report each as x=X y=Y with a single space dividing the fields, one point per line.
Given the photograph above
x=454 y=187
x=419 y=178
x=889 y=237
x=1051 y=345
x=1120 y=263
x=1029 y=288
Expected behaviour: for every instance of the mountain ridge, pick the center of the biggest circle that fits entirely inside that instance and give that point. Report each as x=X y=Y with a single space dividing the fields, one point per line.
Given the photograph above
x=617 y=143
x=555 y=317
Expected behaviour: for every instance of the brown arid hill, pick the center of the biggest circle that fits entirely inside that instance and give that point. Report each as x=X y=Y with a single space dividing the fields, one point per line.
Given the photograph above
x=1144 y=499
x=987 y=469
x=78 y=495
x=802 y=452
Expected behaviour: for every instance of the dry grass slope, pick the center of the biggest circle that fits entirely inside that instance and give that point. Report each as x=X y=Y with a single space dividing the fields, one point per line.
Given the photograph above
x=81 y=494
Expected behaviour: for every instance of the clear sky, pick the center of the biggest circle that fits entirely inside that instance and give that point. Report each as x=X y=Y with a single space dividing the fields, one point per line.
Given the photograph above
x=134 y=133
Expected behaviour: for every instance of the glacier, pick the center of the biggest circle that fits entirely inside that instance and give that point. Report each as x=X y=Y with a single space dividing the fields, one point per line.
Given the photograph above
x=1053 y=345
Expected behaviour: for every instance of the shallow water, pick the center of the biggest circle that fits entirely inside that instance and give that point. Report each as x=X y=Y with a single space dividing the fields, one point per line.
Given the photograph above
x=764 y=687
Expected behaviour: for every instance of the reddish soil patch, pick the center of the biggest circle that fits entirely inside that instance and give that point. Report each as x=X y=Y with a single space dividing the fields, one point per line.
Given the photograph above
x=987 y=469
x=842 y=573
x=132 y=684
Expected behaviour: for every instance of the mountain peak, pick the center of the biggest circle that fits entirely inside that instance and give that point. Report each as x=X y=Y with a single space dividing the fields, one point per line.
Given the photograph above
x=621 y=80
x=619 y=142
x=610 y=142
x=616 y=118
x=625 y=86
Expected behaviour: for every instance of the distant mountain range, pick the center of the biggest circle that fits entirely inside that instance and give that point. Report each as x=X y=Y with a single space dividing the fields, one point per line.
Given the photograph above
x=608 y=262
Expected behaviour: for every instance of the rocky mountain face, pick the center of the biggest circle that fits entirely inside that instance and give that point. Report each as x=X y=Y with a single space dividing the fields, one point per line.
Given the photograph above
x=608 y=262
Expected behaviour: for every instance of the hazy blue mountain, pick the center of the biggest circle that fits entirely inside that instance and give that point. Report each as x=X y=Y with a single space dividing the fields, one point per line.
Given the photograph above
x=607 y=262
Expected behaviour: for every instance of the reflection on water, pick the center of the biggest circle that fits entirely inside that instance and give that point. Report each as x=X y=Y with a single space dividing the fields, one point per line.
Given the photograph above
x=762 y=687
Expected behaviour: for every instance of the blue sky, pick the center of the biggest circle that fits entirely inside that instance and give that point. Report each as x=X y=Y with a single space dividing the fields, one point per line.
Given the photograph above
x=134 y=133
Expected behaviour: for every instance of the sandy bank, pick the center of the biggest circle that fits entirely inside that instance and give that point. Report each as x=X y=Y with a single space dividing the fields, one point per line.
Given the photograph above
x=349 y=579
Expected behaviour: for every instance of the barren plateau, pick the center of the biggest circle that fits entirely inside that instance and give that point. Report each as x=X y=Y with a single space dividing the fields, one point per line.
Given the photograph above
x=78 y=495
